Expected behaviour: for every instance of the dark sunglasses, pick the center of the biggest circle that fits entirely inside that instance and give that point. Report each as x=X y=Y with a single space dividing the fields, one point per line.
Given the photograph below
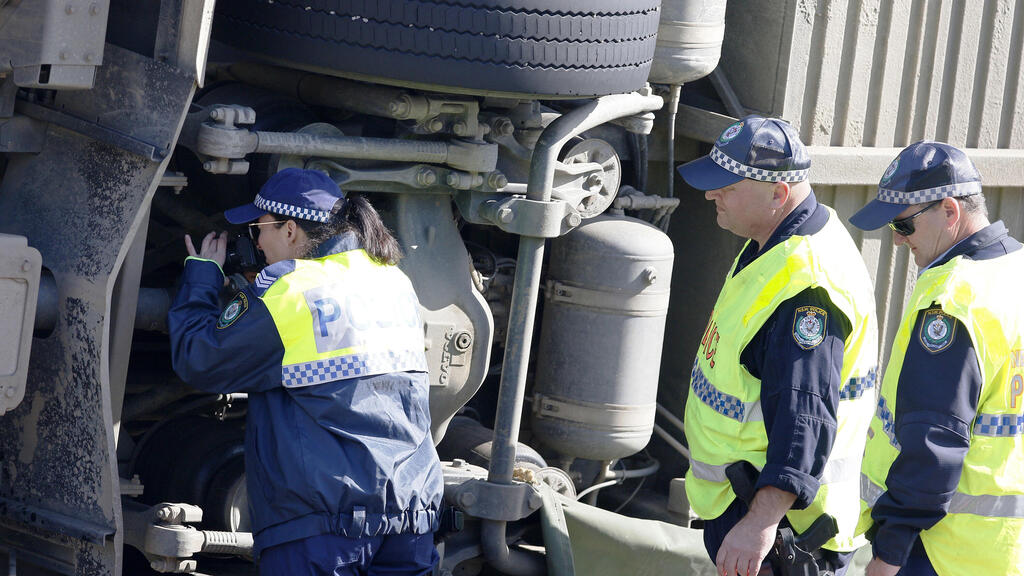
x=905 y=226
x=254 y=228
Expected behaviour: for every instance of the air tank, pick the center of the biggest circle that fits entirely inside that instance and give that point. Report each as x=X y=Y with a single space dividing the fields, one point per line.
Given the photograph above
x=605 y=303
x=689 y=42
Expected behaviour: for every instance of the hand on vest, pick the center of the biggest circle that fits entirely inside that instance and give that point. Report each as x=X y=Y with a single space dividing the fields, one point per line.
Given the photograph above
x=215 y=247
x=879 y=568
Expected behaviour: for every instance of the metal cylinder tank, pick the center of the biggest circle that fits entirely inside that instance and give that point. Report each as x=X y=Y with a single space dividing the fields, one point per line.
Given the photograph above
x=605 y=303
x=689 y=42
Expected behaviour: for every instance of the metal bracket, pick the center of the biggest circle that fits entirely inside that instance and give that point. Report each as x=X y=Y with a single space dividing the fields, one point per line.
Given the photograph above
x=160 y=533
x=503 y=502
x=225 y=144
x=536 y=218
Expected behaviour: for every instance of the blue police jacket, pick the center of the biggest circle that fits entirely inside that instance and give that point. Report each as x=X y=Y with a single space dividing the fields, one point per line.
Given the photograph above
x=351 y=457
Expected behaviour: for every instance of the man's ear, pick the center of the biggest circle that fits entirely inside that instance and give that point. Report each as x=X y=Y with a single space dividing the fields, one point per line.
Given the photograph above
x=952 y=210
x=780 y=194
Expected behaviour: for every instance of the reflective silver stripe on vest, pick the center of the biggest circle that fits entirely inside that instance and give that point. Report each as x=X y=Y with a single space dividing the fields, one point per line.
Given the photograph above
x=835 y=470
x=999 y=425
x=725 y=404
x=988 y=505
x=888 y=422
x=351 y=366
x=709 y=472
x=856 y=387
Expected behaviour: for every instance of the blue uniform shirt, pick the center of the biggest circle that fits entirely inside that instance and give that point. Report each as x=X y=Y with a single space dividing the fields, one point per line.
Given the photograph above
x=799 y=388
x=936 y=401
x=351 y=457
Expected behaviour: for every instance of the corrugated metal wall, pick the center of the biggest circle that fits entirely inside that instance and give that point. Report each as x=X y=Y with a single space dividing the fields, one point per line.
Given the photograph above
x=886 y=73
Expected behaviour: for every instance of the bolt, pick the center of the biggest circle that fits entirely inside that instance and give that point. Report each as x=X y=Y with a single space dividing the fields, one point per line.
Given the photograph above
x=505 y=215
x=88 y=57
x=595 y=181
x=650 y=275
x=94 y=9
x=26 y=266
x=463 y=341
x=434 y=125
x=426 y=177
x=534 y=501
x=461 y=129
x=399 y=107
x=502 y=126
x=451 y=179
x=208 y=166
x=573 y=219
x=467 y=499
x=497 y=180
x=458 y=463
x=10 y=392
x=164 y=513
x=69 y=9
x=217 y=114
x=64 y=54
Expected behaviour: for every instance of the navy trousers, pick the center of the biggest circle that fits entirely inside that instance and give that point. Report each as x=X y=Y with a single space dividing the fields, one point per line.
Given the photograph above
x=330 y=555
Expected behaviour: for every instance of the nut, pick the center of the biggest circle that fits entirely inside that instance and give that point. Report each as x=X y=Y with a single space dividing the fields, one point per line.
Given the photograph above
x=502 y=126
x=573 y=219
x=434 y=125
x=463 y=340
x=497 y=180
x=467 y=499
x=426 y=177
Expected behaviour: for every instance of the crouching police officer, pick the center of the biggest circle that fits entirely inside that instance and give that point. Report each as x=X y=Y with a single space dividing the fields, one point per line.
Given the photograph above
x=943 y=472
x=341 y=470
x=785 y=370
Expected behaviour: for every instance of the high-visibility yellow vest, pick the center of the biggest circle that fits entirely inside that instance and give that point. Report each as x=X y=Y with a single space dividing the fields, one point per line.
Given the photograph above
x=345 y=316
x=724 y=423
x=983 y=532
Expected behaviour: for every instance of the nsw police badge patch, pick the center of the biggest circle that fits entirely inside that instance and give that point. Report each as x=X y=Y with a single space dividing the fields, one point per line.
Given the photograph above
x=937 y=331
x=239 y=304
x=809 y=326
x=731 y=133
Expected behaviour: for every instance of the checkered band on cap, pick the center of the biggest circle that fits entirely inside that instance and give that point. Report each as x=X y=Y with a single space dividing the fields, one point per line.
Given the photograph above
x=761 y=174
x=928 y=194
x=289 y=210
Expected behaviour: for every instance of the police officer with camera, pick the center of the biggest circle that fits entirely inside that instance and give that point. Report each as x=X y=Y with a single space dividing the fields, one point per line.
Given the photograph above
x=341 y=470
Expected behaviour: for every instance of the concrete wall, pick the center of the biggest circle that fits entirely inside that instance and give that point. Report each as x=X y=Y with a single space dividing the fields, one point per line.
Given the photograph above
x=855 y=77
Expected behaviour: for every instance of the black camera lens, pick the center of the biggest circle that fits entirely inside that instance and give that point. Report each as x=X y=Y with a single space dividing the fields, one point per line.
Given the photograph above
x=242 y=255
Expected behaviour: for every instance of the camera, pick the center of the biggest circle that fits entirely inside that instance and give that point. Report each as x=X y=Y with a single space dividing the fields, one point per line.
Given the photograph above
x=242 y=255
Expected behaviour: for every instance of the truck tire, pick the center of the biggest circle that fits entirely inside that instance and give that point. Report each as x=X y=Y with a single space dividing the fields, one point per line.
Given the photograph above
x=517 y=48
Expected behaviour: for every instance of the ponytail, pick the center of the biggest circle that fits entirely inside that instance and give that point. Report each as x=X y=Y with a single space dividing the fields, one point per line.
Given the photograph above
x=355 y=214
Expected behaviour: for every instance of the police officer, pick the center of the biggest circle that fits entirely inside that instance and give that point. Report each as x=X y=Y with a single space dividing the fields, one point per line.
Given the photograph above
x=786 y=366
x=341 y=470
x=943 y=472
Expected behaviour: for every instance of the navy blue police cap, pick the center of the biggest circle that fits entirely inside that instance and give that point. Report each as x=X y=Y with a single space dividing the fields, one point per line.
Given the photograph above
x=292 y=192
x=923 y=172
x=758 y=148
